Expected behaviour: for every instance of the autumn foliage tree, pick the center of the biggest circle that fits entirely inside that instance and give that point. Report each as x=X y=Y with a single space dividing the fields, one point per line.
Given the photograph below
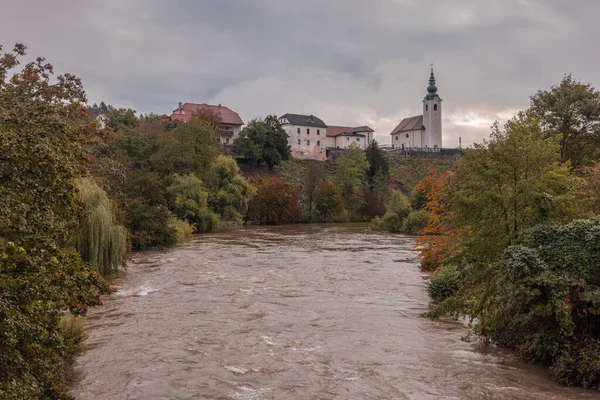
x=276 y=202
x=437 y=240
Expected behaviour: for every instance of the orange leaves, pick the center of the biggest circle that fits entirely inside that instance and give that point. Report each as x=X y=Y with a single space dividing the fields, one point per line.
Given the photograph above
x=436 y=241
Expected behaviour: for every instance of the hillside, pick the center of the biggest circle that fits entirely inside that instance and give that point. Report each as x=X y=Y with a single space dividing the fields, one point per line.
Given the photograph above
x=405 y=173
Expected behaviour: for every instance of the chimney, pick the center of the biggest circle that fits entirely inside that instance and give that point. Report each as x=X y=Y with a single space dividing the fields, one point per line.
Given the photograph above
x=219 y=104
x=180 y=108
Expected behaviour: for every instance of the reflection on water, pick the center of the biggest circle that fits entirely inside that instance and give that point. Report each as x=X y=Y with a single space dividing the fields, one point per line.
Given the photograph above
x=300 y=312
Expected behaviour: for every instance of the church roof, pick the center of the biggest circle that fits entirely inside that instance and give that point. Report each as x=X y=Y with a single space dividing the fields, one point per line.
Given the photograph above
x=409 y=124
x=432 y=89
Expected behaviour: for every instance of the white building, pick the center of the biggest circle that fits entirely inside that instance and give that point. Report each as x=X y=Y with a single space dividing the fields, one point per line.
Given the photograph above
x=102 y=120
x=422 y=131
x=307 y=135
x=341 y=137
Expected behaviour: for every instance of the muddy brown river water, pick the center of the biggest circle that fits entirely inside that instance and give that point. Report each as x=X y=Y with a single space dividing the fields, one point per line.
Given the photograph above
x=293 y=312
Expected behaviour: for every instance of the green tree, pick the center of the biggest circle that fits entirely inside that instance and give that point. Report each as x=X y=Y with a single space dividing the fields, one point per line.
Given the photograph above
x=122 y=118
x=509 y=184
x=190 y=148
x=379 y=167
x=328 y=203
x=351 y=178
x=312 y=186
x=228 y=191
x=43 y=128
x=189 y=201
x=263 y=141
x=571 y=112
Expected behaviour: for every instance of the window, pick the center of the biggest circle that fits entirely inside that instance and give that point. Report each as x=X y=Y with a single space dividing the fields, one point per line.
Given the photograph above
x=227 y=141
x=299 y=142
x=358 y=139
x=318 y=141
x=318 y=131
x=426 y=107
x=308 y=131
x=298 y=131
x=307 y=142
x=396 y=137
x=435 y=107
x=407 y=135
x=347 y=138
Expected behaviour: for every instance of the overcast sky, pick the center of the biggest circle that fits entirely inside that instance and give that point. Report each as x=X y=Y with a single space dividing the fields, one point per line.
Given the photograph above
x=349 y=62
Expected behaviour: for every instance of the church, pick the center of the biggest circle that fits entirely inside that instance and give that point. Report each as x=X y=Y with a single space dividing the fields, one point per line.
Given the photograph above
x=422 y=131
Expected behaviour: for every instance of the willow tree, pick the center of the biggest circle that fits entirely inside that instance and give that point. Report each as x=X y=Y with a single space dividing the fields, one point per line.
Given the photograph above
x=101 y=240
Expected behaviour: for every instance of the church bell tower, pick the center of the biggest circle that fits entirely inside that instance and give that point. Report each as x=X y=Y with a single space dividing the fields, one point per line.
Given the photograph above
x=432 y=116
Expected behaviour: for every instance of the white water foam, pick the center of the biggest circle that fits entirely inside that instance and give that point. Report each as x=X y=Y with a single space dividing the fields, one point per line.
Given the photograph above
x=236 y=370
x=143 y=290
x=247 y=393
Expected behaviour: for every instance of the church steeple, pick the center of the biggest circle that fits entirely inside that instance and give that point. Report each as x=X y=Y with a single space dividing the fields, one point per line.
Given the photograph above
x=431 y=89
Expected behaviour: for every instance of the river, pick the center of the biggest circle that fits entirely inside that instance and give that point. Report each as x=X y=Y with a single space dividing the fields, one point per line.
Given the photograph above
x=292 y=312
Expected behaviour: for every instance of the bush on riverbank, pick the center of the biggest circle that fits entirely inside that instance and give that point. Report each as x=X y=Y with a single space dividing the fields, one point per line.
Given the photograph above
x=444 y=283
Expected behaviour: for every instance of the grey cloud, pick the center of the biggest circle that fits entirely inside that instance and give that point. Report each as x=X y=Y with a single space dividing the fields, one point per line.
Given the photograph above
x=348 y=61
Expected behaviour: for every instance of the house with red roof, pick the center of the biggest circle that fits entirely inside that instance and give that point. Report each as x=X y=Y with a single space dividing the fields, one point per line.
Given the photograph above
x=340 y=137
x=231 y=123
x=422 y=131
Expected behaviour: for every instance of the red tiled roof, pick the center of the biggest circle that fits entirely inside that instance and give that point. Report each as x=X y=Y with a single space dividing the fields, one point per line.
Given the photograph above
x=227 y=115
x=333 y=130
x=180 y=117
x=363 y=129
x=409 y=124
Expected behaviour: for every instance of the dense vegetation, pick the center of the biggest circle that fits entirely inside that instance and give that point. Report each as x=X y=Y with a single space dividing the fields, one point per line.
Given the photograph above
x=513 y=235
x=43 y=132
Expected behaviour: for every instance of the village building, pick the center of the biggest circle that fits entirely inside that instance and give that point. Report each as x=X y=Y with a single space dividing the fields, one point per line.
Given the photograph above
x=340 y=137
x=422 y=131
x=102 y=119
x=231 y=123
x=307 y=135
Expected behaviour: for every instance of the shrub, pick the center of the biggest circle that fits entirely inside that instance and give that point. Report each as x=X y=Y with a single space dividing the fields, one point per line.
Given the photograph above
x=72 y=336
x=392 y=222
x=414 y=222
x=182 y=229
x=377 y=224
x=149 y=225
x=398 y=204
x=444 y=283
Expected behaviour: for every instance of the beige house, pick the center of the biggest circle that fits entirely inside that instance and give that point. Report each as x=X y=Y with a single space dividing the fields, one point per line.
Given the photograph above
x=340 y=137
x=306 y=135
x=231 y=123
x=422 y=131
